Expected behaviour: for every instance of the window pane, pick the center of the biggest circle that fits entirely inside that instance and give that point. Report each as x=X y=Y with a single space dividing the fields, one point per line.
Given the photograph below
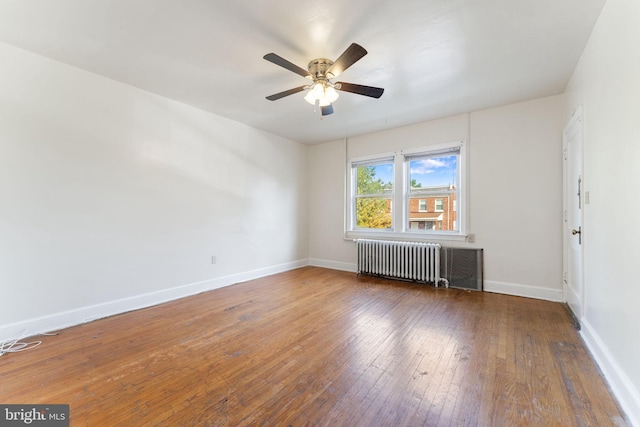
x=434 y=171
x=374 y=179
x=443 y=217
x=373 y=212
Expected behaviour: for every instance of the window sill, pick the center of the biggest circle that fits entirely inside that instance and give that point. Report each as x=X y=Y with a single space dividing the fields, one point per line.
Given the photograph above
x=420 y=237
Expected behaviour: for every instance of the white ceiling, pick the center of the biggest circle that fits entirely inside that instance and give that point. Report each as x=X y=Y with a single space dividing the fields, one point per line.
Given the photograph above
x=434 y=58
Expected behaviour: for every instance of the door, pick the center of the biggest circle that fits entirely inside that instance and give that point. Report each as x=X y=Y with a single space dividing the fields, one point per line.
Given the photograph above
x=574 y=200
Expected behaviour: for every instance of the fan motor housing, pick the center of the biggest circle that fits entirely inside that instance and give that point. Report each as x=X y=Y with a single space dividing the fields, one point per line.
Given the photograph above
x=318 y=68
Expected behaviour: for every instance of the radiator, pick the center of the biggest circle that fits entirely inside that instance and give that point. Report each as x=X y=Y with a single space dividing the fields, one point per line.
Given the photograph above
x=416 y=261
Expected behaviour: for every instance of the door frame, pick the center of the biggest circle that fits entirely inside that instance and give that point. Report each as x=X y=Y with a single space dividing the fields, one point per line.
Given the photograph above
x=573 y=129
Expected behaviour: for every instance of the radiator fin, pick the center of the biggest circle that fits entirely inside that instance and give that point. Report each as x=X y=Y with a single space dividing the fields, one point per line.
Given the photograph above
x=416 y=261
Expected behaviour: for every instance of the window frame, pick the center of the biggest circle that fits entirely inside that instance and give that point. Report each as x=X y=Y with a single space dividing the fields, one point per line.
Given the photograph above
x=399 y=198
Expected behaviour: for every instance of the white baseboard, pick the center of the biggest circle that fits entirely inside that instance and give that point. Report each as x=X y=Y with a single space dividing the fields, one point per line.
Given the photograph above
x=623 y=389
x=333 y=265
x=516 y=289
x=520 y=290
x=81 y=315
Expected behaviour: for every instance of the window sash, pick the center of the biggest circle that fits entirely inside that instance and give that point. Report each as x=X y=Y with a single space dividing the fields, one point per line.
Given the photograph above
x=425 y=154
x=354 y=174
x=358 y=199
x=425 y=193
x=380 y=220
x=431 y=155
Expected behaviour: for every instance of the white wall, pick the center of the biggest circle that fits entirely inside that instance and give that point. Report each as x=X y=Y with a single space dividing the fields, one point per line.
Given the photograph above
x=515 y=191
x=606 y=83
x=327 y=164
x=516 y=196
x=113 y=198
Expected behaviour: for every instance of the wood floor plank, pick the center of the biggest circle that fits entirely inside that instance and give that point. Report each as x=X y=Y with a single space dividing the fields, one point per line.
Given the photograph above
x=317 y=347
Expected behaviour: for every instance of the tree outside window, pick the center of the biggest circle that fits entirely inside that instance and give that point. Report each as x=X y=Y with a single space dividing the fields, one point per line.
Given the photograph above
x=373 y=207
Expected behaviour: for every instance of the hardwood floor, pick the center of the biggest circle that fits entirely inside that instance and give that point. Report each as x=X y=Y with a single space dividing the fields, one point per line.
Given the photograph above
x=321 y=347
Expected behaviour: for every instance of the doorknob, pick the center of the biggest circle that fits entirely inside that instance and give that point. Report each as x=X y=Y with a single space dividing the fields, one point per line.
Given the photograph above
x=579 y=232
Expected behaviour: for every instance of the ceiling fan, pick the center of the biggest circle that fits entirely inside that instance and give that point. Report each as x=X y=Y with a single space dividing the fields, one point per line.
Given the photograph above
x=322 y=91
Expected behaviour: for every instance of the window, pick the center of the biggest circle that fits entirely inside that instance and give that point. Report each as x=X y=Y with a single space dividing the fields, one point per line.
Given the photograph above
x=373 y=194
x=431 y=204
x=434 y=174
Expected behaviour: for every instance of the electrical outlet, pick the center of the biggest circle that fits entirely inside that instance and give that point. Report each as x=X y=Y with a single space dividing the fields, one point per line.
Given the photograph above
x=214 y=259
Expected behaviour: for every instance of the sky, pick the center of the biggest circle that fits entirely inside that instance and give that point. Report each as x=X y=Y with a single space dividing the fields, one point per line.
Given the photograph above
x=428 y=172
x=435 y=170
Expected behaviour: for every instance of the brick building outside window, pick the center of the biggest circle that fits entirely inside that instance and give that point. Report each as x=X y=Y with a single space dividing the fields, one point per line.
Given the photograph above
x=435 y=211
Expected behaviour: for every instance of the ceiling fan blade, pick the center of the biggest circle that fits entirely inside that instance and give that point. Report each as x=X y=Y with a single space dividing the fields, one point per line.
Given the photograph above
x=373 y=92
x=327 y=110
x=277 y=96
x=278 y=60
x=347 y=59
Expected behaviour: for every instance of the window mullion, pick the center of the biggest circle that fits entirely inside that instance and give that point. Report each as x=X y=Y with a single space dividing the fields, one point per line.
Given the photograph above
x=399 y=193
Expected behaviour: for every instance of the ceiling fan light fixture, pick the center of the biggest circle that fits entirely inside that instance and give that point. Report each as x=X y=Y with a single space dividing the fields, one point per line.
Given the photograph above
x=331 y=94
x=318 y=90
x=322 y=93
x=310 y=98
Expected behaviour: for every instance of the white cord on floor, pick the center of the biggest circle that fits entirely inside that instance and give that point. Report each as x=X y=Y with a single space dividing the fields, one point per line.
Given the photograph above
x=15 y=345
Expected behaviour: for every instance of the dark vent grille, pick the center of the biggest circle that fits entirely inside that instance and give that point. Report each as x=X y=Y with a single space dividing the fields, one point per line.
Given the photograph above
x=462 y=267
